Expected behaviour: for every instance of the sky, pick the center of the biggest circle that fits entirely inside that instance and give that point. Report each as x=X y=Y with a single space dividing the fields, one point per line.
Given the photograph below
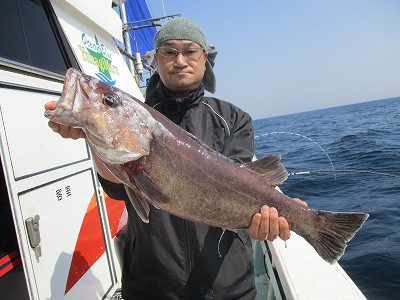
x=282 y=57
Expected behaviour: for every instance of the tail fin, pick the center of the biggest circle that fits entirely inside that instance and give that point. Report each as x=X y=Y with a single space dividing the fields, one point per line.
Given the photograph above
x=335 y=230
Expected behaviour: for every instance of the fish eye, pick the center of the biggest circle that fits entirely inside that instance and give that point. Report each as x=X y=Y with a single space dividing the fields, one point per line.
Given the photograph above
x=109 y=100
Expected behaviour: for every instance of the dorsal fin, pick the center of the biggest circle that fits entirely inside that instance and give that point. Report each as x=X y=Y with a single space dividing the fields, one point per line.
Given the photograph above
x=270 y=168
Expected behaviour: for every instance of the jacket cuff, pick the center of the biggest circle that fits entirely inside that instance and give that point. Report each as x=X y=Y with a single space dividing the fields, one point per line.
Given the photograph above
x=114 y=190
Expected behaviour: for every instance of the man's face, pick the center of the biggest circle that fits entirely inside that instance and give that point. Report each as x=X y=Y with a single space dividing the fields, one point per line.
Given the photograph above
x=181 y=74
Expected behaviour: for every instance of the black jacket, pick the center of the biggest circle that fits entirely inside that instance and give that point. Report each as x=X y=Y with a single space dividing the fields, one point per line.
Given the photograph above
x=172 y=258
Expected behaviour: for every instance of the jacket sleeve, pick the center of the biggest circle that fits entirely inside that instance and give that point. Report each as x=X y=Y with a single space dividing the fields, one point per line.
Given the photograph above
x=114 y=190
x=239 y=145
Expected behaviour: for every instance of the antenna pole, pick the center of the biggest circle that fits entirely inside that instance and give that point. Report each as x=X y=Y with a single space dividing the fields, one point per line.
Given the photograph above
x=163 y=7
x=127 y=40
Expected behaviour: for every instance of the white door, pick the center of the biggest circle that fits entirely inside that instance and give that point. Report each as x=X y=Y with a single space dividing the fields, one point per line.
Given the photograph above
x=58 y=214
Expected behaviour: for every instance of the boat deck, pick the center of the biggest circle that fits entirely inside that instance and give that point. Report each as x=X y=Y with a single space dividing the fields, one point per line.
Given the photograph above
x=296 y=271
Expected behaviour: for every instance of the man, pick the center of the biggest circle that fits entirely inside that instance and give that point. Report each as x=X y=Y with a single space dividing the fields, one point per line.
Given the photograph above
x=172 y=258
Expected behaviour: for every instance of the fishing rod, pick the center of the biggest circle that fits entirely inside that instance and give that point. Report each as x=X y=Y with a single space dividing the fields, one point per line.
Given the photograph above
x=361 y=171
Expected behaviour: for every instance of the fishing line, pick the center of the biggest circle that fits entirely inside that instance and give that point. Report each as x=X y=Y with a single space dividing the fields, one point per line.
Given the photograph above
x=334 y=171
x=219 y=241
x=305 y=137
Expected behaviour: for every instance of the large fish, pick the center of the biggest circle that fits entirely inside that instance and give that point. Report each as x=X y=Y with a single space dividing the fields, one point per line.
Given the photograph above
x=171 y=169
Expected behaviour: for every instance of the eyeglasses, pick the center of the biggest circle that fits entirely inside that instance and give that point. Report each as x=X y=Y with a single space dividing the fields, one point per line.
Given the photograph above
x=189 y=53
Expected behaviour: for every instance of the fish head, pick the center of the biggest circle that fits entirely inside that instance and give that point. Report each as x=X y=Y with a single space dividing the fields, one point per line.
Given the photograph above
x=117 y=126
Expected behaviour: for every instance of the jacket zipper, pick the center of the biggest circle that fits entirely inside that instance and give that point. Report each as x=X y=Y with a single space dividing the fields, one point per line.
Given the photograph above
x=188 y=256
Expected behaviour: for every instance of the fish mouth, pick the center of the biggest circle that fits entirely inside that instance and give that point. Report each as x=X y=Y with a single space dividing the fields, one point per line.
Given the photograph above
x=75 y=89
x=72 y=90
x=68 y=96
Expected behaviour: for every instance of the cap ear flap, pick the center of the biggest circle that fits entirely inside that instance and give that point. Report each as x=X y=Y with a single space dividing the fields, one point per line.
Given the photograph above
x=212 y=52
x=209 y=81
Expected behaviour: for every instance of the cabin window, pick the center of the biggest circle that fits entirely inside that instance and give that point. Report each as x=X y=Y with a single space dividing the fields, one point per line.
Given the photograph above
x=27 y=36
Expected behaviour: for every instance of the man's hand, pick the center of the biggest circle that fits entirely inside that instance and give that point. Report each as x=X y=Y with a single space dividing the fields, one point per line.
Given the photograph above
x=65 y=131
x=268 y=225
x=69 y=132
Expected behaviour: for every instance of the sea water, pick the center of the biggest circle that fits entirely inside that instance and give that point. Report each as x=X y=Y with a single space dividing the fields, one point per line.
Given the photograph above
x=362 y=142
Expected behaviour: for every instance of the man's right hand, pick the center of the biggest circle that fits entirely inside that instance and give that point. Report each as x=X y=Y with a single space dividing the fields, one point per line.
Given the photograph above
x=69 y=132
x=65 y=131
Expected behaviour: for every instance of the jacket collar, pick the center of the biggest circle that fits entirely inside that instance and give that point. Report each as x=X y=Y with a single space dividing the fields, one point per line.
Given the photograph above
x=158 y=94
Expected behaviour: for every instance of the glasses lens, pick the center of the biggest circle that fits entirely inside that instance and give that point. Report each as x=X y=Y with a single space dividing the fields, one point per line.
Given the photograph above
x=193 y=53
x=167 y=51
x=190 y=53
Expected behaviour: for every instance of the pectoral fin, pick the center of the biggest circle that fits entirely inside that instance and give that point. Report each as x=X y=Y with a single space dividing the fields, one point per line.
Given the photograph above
x=141 y=206
x=146 y=185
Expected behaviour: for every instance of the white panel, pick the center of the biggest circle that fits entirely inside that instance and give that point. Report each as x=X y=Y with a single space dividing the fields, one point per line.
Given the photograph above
x=97 y=13
x=62 y=206
x=33 y=147
x=94 y=50
x=20 y=79
x=92 y=285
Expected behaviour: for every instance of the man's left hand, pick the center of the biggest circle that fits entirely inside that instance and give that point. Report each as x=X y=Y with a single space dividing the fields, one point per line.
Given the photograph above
x=268 y=225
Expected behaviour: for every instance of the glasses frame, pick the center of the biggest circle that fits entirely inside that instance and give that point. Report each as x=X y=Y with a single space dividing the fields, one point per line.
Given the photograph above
x=176 y=52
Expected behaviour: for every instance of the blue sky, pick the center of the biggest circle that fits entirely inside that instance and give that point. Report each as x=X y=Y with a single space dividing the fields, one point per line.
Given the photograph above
x=282 y=57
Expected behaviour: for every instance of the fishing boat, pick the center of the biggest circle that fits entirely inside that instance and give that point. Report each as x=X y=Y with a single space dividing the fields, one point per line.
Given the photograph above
x=61 y=234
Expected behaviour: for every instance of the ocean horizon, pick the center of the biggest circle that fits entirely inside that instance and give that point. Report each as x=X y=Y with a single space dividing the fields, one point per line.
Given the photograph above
x=324 y=108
